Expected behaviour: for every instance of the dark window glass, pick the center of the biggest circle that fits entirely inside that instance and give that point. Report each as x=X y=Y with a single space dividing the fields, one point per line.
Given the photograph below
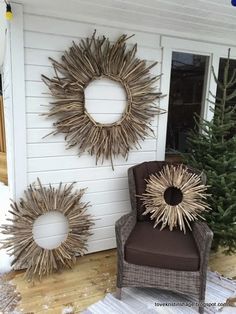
x=232 y=66
x=187 y=93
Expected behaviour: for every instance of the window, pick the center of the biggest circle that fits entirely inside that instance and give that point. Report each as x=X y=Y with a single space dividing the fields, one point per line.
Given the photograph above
x=186 y=96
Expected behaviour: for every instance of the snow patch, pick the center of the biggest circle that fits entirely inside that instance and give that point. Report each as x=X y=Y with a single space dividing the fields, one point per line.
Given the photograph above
x=5 y=262
x=5 y=259
x=68 y=310
x=45 y=307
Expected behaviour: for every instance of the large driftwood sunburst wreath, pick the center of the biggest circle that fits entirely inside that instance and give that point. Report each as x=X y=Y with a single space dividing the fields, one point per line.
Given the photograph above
x=92 y=59
x=174 y=196
x=38 y=201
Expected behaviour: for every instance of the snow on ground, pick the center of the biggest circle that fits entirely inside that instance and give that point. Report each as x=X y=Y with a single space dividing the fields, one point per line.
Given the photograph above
x=5 y=259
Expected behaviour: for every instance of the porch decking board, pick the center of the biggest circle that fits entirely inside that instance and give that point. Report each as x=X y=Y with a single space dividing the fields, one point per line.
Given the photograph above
x=92 y=277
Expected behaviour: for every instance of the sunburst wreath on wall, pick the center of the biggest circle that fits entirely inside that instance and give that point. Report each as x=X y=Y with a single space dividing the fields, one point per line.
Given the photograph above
x=175 y=196
x=92 y=59
x=21 y=243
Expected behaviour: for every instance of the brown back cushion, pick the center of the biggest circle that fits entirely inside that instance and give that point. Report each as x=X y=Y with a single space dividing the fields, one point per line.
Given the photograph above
x=141 y=173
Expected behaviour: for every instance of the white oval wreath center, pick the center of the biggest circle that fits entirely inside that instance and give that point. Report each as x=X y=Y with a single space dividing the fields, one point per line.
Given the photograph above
x=129 y=101
x=105 y=100
x=50 y=230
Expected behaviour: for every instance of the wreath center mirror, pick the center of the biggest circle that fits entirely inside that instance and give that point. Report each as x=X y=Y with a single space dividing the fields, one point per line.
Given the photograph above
x=105 y=100
x=173 y=196
x=47 y=237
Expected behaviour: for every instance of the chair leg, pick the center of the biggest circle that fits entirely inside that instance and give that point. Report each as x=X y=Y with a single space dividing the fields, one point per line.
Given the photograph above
x=118 y=293
x=202 y=293
x=201 y=309
x=201 y=301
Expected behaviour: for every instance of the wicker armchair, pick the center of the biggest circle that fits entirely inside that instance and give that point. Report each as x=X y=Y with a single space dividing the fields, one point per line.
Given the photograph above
x=138 y=266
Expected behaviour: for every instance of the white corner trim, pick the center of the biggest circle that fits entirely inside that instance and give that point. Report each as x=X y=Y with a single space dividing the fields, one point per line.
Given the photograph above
x=19 y=160
x=212 y=88
x=164 y=102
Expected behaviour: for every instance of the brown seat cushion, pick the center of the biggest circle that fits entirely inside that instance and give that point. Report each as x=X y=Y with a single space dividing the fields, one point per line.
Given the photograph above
x=167 y=249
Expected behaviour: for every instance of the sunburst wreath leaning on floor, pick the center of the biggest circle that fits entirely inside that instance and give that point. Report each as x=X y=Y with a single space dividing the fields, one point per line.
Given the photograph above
x=21 y=244
x=174 y=196
x=93 y=59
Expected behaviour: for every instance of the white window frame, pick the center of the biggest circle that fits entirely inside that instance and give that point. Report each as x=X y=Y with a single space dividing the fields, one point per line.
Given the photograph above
x=213 y=51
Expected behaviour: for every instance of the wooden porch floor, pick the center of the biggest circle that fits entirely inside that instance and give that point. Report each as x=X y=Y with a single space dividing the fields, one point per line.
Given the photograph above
x=92 y=277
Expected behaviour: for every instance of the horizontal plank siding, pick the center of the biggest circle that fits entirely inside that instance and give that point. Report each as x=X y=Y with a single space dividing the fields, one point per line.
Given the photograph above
x=85 y=161
x=41 y=135
x=83 y=174
x=47 y=157
x=58 y=149
x=38 y=121
x=39 y=57
x=95 y=186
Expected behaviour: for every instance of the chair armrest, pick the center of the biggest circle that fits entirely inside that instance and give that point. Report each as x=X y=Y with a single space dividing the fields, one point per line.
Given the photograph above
x=203 y=237
x=123 y=228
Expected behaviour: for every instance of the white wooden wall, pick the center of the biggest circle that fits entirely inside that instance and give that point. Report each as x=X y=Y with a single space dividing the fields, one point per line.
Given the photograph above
x=34 y=37
x=47 y=158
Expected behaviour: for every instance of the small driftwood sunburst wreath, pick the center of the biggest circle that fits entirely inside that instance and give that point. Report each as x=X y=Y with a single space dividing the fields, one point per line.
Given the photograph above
x=92 y=59
x=21 y=244
x=175 y=196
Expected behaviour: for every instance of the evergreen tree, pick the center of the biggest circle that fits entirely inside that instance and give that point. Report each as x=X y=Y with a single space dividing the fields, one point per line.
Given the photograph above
x=212 y=148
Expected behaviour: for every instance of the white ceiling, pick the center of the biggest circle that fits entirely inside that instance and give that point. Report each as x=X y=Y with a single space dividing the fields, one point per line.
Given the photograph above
x=215 y=18
x=209 y=20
